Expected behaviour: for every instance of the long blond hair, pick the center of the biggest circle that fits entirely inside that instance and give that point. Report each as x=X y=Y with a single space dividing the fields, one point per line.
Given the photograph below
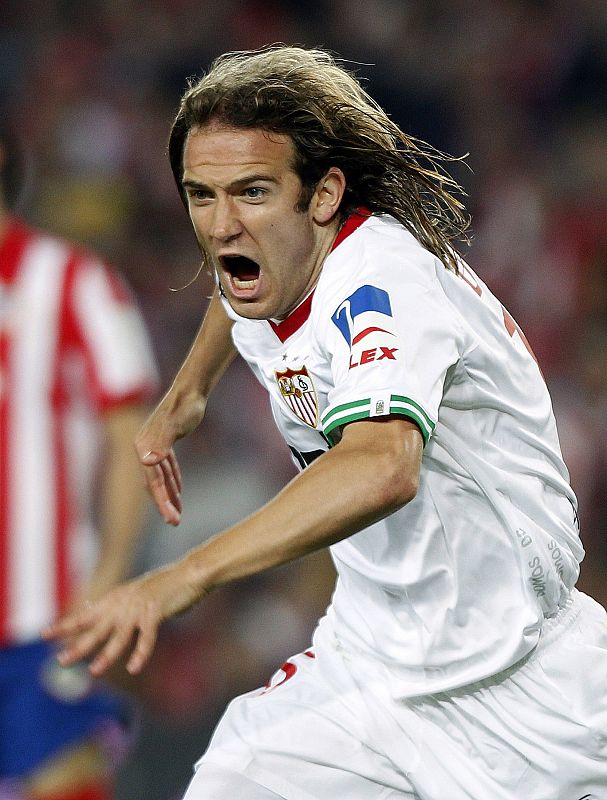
x=332 y=121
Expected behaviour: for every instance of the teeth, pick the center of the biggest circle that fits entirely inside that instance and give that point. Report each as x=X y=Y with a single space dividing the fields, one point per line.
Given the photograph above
x=240 y=284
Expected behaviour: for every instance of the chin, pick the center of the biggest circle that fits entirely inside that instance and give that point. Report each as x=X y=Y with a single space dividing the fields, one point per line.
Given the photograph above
x=251 y=309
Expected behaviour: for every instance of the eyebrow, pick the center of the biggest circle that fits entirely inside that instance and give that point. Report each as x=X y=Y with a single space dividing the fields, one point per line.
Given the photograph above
x=234 y=185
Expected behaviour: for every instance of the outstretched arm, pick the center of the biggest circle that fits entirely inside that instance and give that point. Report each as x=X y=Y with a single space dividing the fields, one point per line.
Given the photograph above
x=182 y=408
x=317 y=508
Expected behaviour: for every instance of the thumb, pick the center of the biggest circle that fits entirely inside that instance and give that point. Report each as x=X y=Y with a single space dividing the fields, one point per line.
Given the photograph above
x=151 y=458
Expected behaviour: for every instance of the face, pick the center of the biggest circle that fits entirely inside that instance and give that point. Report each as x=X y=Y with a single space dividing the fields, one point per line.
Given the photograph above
x=242 y=195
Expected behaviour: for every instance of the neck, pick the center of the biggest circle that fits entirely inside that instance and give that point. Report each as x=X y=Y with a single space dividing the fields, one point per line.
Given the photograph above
x=324 y=247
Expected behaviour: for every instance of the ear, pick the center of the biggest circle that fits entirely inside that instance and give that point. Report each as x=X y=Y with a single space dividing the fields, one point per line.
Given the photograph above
x=328 y=196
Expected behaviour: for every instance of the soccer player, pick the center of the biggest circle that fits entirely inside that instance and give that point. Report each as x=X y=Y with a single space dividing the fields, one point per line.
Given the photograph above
x=456 y=659
x=76 y=375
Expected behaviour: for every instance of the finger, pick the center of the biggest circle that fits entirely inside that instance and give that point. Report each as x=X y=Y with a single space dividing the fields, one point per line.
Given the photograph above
x=70 y=625
x=171 y=515
x=146 y=642
x=150 y=457
x=114 y=648
x=155 y=480
x=171 y=483
x=175 y=468
x=83 y=645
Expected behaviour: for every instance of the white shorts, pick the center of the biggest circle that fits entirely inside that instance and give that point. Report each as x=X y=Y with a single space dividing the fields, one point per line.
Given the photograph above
x=536 y=732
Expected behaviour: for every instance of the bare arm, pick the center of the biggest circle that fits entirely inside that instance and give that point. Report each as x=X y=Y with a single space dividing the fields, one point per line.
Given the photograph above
x=122 y=503
x=182 y=408
x=373 y=471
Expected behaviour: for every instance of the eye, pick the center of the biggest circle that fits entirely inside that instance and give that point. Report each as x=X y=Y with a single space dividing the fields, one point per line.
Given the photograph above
x=254 y=193
x=198 y=195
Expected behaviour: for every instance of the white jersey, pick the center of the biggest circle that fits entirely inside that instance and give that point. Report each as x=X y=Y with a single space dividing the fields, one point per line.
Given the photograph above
x=453 y=587
x=72 y=345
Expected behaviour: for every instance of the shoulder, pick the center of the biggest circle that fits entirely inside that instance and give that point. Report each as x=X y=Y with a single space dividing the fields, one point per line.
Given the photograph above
x=381 y=253
x=76 y=256
x=21 y=237
x=49 y=259
x=379 y=246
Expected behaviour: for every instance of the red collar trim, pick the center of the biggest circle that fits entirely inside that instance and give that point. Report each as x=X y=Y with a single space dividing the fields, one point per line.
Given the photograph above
x=354 y=221
x=287 y=327
x=294 y=321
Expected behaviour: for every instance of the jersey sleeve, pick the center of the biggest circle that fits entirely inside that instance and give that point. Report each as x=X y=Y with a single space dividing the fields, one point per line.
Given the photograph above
x=105 y=323
x=391 y=338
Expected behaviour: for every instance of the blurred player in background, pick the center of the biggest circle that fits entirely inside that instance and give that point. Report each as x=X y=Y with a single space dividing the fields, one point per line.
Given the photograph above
x=456 y=659
x=76 y=374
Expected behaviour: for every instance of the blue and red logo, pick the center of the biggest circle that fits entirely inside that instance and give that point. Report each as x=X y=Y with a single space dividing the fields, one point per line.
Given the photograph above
x=363 y=313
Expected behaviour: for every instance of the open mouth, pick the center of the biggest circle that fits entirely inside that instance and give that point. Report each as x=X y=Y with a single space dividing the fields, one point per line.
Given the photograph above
x=243 y=271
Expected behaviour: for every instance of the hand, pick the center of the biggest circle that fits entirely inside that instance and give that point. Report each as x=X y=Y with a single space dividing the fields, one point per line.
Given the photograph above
x=171 y=420
x=126 y=619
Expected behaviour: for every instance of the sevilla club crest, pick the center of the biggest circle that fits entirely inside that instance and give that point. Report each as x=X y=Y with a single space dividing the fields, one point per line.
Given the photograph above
x=297 y=389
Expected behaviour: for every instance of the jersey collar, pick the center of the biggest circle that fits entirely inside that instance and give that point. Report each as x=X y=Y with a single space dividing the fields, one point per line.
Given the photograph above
x=289 y=325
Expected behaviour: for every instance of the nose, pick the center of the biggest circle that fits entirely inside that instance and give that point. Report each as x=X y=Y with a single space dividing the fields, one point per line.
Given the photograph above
x=225 y=223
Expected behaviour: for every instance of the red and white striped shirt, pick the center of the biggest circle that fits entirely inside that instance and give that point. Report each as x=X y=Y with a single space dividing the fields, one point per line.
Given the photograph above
x=72 y=345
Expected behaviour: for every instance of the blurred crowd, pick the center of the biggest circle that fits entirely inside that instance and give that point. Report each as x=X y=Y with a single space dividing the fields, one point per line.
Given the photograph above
x=521 y=87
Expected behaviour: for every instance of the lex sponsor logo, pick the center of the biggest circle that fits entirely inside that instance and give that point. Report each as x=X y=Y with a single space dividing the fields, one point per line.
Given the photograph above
x=366 y=312
x=373 y=354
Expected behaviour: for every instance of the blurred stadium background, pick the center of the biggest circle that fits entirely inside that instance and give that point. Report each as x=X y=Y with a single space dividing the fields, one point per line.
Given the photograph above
x=520 y=86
